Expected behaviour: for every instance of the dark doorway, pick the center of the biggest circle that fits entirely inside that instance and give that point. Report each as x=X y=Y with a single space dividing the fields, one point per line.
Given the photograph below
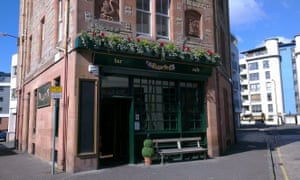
x=114 y=131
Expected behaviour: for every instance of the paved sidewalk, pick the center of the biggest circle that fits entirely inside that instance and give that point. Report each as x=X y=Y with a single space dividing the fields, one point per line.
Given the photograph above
x=248 y=159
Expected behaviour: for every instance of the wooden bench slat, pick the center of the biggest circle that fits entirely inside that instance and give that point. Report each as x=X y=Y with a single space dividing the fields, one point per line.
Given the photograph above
x=191 y=148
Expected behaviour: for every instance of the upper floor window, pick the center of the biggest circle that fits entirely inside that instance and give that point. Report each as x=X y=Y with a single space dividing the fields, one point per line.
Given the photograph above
x=255 y=87
x=162 y=18
x=145 y=16
x=254 y=76
x=256 y=108
x=268 y=75
x=269 y=96
x=253 y=66
x=266 y=64
x=60 y=21
x=268 y=86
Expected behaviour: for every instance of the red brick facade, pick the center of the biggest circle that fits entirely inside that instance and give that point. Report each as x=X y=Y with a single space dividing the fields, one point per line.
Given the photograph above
x=47 y=60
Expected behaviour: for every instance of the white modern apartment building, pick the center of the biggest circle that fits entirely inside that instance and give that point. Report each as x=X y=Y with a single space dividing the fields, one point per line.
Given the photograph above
x=269 y=82
x=13 y=101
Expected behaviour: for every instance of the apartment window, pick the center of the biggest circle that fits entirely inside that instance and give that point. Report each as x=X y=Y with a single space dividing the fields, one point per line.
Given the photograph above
x=245 y=98
x=13 y=95
x=266 y=64
x=143 y=17
x=14 y=70
x=268 y=86
x=1 y=109
x=255 y=97
x=255 y=87
x=253 y=66
x=1 y=99
x=270 y=107
x=268 y=75
x=269 y=96
x=254 y=76
x=242 y=67
x=256 y=108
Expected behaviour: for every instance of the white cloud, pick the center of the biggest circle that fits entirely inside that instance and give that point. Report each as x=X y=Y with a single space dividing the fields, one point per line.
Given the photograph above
x=280 y=39
x=245 y=12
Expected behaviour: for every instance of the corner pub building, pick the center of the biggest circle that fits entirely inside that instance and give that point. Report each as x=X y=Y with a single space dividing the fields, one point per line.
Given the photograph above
x=127 y=70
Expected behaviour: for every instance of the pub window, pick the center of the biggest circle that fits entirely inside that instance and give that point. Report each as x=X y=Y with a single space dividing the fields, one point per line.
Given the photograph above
x=86 y=117
x=155 y=104
x=192 y=108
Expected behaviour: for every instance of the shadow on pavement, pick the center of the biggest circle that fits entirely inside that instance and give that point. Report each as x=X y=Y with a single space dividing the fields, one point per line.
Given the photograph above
x=6 y=151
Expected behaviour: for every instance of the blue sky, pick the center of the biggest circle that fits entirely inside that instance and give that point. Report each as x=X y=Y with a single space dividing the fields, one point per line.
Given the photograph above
x=9 y=20
x=252 y=21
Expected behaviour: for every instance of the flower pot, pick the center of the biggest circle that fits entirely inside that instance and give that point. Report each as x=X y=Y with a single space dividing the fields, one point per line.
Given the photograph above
x=148 y=161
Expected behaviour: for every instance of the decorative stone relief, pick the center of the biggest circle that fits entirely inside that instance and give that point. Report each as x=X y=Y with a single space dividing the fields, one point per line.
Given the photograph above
x=128 y=10
x=192 y=23
x=109 y=10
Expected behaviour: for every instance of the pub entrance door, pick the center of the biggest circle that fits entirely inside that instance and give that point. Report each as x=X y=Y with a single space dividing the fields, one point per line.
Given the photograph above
x=114 y=131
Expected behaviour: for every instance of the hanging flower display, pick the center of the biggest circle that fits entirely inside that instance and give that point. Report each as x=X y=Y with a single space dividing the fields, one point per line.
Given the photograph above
x=144 y=47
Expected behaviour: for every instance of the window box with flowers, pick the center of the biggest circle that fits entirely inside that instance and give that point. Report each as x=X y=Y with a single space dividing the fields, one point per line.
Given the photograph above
x=99 y=41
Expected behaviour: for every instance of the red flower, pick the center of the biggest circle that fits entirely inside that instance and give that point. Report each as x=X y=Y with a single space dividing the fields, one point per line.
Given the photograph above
x=161 y=44
x=183 y=47
x=187 y=49
x=138 y=40
x=128 y=38
x=209 y=52
x=102 y=34
x=94 y=33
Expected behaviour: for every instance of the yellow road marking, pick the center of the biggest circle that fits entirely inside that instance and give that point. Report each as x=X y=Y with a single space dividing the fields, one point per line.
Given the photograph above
x=283 y=170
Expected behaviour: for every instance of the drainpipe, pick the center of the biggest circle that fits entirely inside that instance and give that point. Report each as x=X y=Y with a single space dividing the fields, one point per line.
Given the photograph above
x=65 y=88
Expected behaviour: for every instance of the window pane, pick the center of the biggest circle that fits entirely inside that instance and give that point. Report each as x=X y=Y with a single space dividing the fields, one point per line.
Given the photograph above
x=162 y=6
x=143 y=19
x=253 y=66
x=162 y=26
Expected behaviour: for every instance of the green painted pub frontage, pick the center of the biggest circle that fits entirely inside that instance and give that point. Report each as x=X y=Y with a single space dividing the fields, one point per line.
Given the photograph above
x=155 y=95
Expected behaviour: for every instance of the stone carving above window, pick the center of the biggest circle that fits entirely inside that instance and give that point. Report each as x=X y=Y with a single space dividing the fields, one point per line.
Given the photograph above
x=192 y=23
x=107 y=10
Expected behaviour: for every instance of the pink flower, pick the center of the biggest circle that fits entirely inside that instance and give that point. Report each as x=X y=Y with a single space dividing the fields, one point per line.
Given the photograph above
x=161 y=44
x=209 y=52
x=102 y=34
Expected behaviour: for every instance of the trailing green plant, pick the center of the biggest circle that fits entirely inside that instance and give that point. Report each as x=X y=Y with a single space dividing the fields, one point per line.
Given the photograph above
x=99 y=40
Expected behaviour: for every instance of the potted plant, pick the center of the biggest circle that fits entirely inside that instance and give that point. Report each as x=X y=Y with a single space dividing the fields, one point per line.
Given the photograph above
x=148 y=151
